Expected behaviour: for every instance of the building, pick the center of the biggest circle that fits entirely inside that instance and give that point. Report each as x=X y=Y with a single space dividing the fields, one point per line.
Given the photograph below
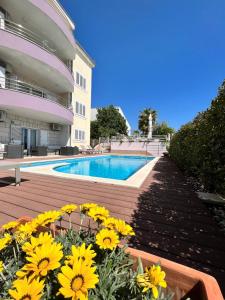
x=94 y=112
x=81 y=99
x=38 y=61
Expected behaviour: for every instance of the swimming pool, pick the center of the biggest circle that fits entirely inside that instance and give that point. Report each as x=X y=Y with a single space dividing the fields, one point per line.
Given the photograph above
x=114 y=167
x=108 y=166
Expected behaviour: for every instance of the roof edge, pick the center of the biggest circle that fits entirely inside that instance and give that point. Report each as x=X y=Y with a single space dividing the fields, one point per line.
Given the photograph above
x=84 y=54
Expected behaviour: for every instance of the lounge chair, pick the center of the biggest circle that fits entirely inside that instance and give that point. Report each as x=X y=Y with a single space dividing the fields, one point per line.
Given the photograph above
x=87 y=150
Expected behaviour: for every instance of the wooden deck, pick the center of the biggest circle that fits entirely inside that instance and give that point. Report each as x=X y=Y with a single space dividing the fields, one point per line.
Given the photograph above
x=169 y=219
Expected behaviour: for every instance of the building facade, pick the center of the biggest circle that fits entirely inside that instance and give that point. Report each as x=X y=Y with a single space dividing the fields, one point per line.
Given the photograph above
x=81 y=99
x=39 y=60
x=94 y=112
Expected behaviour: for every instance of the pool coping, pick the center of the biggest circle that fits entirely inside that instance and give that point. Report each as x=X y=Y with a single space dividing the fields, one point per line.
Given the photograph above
x=135 y=180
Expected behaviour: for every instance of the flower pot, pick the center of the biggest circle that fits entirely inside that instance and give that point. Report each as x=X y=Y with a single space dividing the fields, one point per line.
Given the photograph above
x=185 y=282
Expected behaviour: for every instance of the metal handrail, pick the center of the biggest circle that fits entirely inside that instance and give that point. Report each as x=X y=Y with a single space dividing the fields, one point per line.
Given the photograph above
x=27 y=88
x=23 y=32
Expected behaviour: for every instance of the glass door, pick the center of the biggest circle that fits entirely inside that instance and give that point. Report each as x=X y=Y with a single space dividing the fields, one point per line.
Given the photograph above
x=33 y=137
x=25 y=138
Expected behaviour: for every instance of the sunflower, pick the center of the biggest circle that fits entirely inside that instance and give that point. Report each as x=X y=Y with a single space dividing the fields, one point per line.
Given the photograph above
x=84 y=208
x=1 y=266
x=5 y=241
x=81 y=253
x=123 y=228
x=44 y=238
x=110 y=223
x=76 y=281
x=152 y=279
x=44 y=259
x=98 y=213
x=10 y=225
x=27 y=290
x=69 y=208
x=107 y=239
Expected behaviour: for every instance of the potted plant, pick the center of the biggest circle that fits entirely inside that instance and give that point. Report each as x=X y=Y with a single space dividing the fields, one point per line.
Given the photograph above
x=39 y=259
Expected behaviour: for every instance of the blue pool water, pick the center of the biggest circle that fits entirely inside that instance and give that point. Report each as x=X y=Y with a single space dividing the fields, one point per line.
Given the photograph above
x=110 y=166
x=114 y=167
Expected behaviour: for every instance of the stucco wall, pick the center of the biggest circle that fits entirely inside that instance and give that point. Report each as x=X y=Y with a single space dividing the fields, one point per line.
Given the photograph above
x=155 y=148
x=83 y=97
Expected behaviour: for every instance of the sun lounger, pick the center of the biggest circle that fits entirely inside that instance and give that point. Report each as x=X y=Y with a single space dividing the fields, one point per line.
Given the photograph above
x=87 y=150
x=8 y=165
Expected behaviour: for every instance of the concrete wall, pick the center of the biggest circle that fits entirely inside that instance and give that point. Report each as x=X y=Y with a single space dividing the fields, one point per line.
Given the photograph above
x=155 y=148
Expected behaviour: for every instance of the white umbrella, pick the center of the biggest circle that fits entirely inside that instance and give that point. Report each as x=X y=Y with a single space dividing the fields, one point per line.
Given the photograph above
x=150 y=126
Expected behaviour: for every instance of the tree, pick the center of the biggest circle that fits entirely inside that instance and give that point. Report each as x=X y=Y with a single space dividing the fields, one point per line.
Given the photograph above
x=143 y=120
x=94 y=130
x=136 y=132
x=109 y=122
x=163 y=129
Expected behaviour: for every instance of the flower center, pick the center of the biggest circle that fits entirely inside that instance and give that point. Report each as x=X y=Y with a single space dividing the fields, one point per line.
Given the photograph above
x=77 y=283
x=107 y=241
x=82 y=258
x=47 y=220
x=26 y=297
x=43 y=263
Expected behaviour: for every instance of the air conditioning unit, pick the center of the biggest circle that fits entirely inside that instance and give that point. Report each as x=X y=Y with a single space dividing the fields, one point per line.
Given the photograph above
x=3 y=116
x=56 y=127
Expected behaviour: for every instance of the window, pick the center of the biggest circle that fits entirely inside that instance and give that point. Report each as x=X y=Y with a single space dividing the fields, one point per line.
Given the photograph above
x=81 y=81
x=80 y=109
x=79 y=135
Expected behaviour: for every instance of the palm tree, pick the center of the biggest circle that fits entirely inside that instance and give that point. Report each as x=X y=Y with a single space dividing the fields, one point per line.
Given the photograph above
x=143 y=119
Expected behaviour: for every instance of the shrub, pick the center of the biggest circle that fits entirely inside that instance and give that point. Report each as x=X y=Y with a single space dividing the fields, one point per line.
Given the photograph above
x=199 y=146
x=41 y=261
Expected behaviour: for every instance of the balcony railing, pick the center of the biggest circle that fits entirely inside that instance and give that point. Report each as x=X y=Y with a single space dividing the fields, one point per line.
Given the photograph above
x=27 y=88
x=29 y=35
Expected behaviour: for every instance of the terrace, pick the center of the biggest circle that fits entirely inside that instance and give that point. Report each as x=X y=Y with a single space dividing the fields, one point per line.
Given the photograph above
x=168 y=218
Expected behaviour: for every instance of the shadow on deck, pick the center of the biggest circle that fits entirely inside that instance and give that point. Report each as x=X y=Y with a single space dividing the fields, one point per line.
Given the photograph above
x=172 y=222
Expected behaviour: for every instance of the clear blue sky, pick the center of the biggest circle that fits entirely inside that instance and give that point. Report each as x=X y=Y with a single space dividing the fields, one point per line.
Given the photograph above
x=164 y=54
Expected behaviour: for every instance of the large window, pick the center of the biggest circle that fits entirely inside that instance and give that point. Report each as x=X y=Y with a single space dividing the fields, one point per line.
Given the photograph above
x=79 y=135
x=80 y=109
x=81 y=81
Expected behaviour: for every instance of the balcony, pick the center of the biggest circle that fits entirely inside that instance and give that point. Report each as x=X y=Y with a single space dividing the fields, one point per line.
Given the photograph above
x=21 y=98
x=48 y=19
x=24 y=47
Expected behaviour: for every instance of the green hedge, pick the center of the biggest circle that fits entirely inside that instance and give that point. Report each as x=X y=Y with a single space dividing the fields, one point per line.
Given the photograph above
x=199 y=146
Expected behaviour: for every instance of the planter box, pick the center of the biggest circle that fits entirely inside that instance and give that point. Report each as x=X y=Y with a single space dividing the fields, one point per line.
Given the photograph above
x=185 y=282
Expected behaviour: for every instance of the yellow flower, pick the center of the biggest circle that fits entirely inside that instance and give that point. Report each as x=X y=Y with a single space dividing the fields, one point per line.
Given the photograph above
x=44 y=259
x=123 y=228
x=76 y=281
x=81 y=253
x=107 y=239
x=26 y=290
x=69 y=208
x=5 y=241
x=44 y=238
x=48 y=217
x=24 y=231
x=84 y=208
x=10 y=225
x=110 y=223
x=1 y=266
x=98 y=213
x=152 y=279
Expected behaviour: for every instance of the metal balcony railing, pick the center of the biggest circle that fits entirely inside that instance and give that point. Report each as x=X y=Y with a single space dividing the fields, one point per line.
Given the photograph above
x=10 y=26
x=27 y=88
